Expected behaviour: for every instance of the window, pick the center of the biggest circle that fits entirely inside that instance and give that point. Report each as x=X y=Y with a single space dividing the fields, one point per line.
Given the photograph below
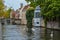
x=37 y=15
x=37 y=22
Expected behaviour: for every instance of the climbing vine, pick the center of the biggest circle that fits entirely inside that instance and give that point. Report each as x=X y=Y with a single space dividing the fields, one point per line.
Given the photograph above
x=29 y=17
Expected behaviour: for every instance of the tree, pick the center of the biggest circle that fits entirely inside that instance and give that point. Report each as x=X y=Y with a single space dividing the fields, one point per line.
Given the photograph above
x=1 y=8
x=35 y=3
x=7 y=13
x=29 y=17
x=49 y=8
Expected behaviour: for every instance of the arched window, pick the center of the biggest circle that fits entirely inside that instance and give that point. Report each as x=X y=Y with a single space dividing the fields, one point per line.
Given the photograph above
x=37 y=15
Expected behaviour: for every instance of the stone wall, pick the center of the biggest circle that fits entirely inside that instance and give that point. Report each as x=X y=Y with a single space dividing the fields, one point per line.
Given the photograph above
x=53 y=24
x=0 y=31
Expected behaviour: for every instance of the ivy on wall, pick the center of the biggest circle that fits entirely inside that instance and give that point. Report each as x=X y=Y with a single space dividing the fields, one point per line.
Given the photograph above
x=29 y=17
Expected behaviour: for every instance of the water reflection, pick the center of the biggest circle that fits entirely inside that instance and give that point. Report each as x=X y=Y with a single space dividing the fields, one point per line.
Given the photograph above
x=21 y=33
x=33 y=34
x=29 y=34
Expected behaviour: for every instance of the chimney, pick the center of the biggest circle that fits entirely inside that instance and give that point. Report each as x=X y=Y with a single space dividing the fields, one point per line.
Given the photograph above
x=21 y=5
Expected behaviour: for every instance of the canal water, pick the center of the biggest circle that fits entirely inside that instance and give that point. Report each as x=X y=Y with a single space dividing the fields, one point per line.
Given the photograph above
x=20 y=32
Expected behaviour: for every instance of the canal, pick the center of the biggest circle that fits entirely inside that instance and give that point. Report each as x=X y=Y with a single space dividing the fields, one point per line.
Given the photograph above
x=20 y=32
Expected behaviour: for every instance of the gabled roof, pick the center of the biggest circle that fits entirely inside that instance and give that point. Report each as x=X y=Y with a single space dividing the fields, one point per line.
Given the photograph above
x=25 y=7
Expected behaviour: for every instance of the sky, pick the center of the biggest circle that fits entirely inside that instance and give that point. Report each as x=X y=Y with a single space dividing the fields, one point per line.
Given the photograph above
x=15 y=4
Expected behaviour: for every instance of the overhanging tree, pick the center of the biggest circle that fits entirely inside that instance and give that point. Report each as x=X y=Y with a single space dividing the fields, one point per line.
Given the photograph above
x=49 y=8
x=7 y=13
x=1 y=7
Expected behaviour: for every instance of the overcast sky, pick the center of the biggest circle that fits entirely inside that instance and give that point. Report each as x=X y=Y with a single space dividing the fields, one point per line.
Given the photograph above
x=15 y=4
